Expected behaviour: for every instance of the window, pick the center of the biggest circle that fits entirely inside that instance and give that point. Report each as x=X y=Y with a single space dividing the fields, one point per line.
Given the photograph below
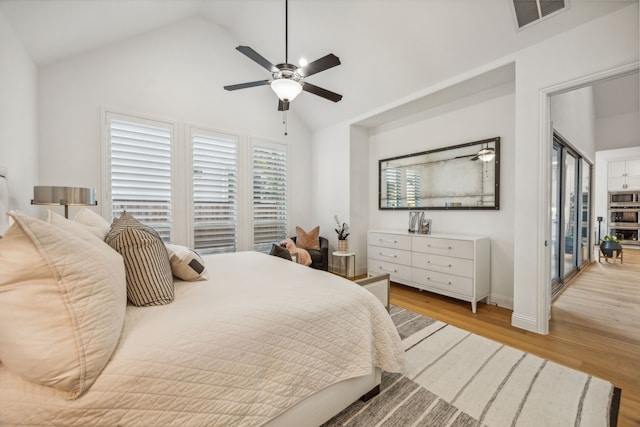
x=215 y=192
x=140 y=171
x=212 y=191
x=269 y=170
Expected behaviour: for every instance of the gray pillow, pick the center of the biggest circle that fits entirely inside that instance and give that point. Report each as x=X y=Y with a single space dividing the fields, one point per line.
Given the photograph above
x=279 y=251
x=146 y=262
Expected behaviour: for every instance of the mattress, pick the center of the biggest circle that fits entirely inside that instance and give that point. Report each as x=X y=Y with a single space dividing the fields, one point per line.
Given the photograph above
x=261 y=335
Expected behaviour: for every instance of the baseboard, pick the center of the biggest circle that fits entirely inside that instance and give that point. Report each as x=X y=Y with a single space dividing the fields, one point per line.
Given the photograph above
x=501 y=301
x=524 y=322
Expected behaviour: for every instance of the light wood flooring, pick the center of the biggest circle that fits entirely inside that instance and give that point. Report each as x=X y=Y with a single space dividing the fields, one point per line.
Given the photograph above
x=594 y=328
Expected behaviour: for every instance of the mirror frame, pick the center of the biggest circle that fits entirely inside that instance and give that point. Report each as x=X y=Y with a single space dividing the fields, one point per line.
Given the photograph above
x=495 y=164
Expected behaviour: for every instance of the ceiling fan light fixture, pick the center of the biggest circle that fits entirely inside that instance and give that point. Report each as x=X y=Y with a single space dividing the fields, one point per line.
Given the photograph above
x=286 y=89
x=486 y=154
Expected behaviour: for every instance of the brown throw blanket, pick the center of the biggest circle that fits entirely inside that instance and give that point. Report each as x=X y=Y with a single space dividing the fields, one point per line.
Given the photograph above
x=303 y=256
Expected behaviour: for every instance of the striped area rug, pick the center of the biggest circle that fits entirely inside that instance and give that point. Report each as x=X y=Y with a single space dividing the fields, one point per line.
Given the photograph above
x=456 y=378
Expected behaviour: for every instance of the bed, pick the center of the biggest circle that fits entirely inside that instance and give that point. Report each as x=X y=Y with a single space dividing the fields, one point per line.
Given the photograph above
x=263 y=341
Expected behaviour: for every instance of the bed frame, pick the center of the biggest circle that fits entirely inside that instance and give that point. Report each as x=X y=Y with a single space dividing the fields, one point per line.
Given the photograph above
x=324 y=405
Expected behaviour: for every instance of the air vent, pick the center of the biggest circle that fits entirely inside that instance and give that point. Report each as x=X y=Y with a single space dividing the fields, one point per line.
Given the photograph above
x=529 y=11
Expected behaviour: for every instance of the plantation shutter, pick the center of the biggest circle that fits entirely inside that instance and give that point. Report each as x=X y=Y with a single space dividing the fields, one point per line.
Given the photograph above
x=413 y=188
x=269 y=171
x=393 y=178
x=141 y=172
x=215 y=193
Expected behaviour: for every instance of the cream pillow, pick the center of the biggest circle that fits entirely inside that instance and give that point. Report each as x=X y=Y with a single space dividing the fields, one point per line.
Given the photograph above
x=62 y=305
x=93 y=222
x=75 y=228
x=186 y=264
x=310 y=240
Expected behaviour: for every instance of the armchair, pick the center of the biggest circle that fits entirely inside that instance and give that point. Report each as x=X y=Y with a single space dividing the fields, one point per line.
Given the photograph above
x=319 y=259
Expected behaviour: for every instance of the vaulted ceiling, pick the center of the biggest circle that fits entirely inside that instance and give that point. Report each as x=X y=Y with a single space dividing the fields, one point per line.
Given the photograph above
x=389 y=48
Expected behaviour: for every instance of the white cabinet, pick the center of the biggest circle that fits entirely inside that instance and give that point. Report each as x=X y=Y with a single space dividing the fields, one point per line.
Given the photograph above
x=624 y=175
x=454 y=265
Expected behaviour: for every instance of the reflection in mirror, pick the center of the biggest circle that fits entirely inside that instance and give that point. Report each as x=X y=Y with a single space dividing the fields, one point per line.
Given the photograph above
x=463 y=176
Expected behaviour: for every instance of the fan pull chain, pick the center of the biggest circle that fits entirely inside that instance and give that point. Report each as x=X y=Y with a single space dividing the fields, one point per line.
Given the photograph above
x=284 y=122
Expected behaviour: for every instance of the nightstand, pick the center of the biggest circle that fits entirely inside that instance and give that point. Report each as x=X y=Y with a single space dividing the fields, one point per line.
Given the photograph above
x=347 y=256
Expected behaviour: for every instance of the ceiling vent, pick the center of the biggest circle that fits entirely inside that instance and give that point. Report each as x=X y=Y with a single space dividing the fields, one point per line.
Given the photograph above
x=529 y=11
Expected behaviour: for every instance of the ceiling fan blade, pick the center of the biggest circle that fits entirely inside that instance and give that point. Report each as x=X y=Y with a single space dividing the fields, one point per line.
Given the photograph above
x=283 y=105
x=246 y=85
x=255 y=56
x=327 y=94
x=318 y=65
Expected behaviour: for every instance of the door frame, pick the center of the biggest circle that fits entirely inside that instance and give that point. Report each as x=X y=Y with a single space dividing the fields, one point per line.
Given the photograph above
x=544 y=208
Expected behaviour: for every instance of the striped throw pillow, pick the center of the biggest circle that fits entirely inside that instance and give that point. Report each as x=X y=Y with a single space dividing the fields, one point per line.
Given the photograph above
x=146 y=263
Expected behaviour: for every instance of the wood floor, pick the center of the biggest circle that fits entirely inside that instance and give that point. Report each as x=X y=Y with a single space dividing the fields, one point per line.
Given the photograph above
x=594 y=328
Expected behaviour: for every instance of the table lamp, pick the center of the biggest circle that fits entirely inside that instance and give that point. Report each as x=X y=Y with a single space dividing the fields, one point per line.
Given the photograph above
x=64 y=196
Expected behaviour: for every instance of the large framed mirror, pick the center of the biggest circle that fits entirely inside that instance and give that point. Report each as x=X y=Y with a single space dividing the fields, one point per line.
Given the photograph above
x=465 y=176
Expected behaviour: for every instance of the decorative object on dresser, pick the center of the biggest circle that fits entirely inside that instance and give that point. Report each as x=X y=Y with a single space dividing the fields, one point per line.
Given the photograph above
x=454 y=265
x=465 y=176
x=64 y=196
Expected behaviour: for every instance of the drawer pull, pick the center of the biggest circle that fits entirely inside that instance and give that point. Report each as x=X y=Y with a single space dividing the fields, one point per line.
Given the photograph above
x=439 y=247
x=388 y=256
x=386 y=269
x=440 y=265
x=388 y=241
x=442 y=283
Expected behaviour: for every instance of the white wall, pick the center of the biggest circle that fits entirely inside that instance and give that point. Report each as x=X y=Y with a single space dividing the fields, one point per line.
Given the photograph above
x=600 y=45
x=619 y=131
x=572 y=114
x=18 y=120
x=472 y=121
x=174 y=73
x=331 y=181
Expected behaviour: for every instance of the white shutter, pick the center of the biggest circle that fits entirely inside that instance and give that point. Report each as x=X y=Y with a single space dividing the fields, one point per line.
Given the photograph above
x=140 y=156
x=269 y=171
x=393 y=179
x=215 y=192
x=413 y=188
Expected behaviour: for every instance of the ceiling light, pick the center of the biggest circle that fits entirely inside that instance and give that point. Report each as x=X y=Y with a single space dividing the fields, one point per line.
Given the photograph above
x=303 y=62
x=486 y=154
x=286 y=89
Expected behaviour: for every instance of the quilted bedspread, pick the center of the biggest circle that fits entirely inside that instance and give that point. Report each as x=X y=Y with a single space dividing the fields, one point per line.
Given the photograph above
x=259 y=336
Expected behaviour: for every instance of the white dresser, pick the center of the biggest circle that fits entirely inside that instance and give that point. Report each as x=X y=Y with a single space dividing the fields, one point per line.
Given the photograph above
x=455 y=265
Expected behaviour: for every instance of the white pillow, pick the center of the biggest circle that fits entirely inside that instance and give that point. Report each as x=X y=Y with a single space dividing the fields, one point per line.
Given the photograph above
x=94 y=222
x=186 y=264
x=75 y=228
x=62 y=305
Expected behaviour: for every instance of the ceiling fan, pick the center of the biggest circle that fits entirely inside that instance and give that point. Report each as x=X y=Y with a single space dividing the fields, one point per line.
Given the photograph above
x=287 y=80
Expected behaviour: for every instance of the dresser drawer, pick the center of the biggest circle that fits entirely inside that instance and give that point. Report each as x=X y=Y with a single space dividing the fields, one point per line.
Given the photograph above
x=446 y=247
x=443 y=264
x=448 y=282
x=396 y=256
x=397 y=271
x=395 y=241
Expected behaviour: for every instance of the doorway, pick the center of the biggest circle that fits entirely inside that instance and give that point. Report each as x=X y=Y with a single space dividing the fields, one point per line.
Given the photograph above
x=570 y=213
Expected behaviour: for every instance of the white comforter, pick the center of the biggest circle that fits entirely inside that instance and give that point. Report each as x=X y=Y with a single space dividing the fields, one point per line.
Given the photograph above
x=261 y=335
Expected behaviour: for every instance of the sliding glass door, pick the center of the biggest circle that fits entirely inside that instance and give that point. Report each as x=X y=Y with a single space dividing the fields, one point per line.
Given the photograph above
x=570 y=213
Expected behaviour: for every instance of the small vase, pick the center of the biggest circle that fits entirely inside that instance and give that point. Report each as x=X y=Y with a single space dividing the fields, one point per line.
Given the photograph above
x=343 y=245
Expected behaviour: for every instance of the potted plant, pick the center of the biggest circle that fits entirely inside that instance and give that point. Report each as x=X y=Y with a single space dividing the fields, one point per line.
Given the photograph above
x=610 y=244
x=342 y=231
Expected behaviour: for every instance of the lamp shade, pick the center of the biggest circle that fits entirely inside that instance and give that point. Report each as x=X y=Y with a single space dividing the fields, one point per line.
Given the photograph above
x=64 y=196
x=286 y=89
